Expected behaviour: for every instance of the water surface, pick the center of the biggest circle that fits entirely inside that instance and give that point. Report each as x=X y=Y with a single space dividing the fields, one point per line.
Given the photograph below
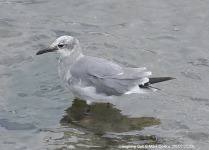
x=170 y=38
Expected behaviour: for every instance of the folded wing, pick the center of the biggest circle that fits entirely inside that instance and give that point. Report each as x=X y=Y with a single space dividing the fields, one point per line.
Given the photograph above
x=109 y=78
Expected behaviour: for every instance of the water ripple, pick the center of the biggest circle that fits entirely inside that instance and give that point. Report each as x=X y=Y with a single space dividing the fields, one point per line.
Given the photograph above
x=5 y=33
x=46 y=90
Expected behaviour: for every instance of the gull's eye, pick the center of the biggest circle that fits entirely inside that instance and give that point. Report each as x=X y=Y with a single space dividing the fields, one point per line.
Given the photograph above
x=60 y=45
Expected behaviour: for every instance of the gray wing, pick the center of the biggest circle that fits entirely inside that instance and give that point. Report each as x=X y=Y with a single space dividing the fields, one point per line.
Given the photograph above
x=95 y=66
x=108 y=78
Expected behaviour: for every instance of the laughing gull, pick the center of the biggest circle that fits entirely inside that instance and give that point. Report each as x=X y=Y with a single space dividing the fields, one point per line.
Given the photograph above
x=95 y=79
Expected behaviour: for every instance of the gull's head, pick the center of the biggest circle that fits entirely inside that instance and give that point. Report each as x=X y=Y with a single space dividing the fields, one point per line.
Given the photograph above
x=65 y=45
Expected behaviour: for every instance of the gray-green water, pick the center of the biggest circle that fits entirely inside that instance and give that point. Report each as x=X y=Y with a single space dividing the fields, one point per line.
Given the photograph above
x=170 y=38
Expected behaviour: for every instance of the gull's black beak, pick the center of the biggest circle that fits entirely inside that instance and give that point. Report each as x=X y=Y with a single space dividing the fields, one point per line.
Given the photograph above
x=49 y=49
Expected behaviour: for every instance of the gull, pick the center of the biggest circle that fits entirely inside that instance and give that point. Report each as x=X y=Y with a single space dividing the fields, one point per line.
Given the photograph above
x=95 y=79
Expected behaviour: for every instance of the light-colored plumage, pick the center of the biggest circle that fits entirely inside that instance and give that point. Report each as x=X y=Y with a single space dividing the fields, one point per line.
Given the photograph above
x=95 y=79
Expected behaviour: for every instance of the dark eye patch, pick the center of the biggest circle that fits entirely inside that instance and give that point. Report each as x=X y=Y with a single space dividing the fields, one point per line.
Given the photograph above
x=60 y=45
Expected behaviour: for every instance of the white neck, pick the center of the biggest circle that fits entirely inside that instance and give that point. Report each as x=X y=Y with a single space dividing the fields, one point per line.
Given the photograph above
x=64 y=53
x=72 y=55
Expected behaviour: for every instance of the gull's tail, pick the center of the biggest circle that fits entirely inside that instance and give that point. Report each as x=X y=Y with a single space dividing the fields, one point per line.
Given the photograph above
x=155 y=80
x=159 y=79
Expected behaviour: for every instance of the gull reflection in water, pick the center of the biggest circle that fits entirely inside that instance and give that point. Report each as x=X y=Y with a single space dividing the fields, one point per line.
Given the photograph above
x=107 y=125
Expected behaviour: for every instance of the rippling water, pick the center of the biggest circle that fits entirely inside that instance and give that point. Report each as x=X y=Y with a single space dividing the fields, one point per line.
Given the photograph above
x=168 y=37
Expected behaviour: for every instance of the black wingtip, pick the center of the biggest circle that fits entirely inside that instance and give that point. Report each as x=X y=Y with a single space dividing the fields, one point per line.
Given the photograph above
x=160 y=79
